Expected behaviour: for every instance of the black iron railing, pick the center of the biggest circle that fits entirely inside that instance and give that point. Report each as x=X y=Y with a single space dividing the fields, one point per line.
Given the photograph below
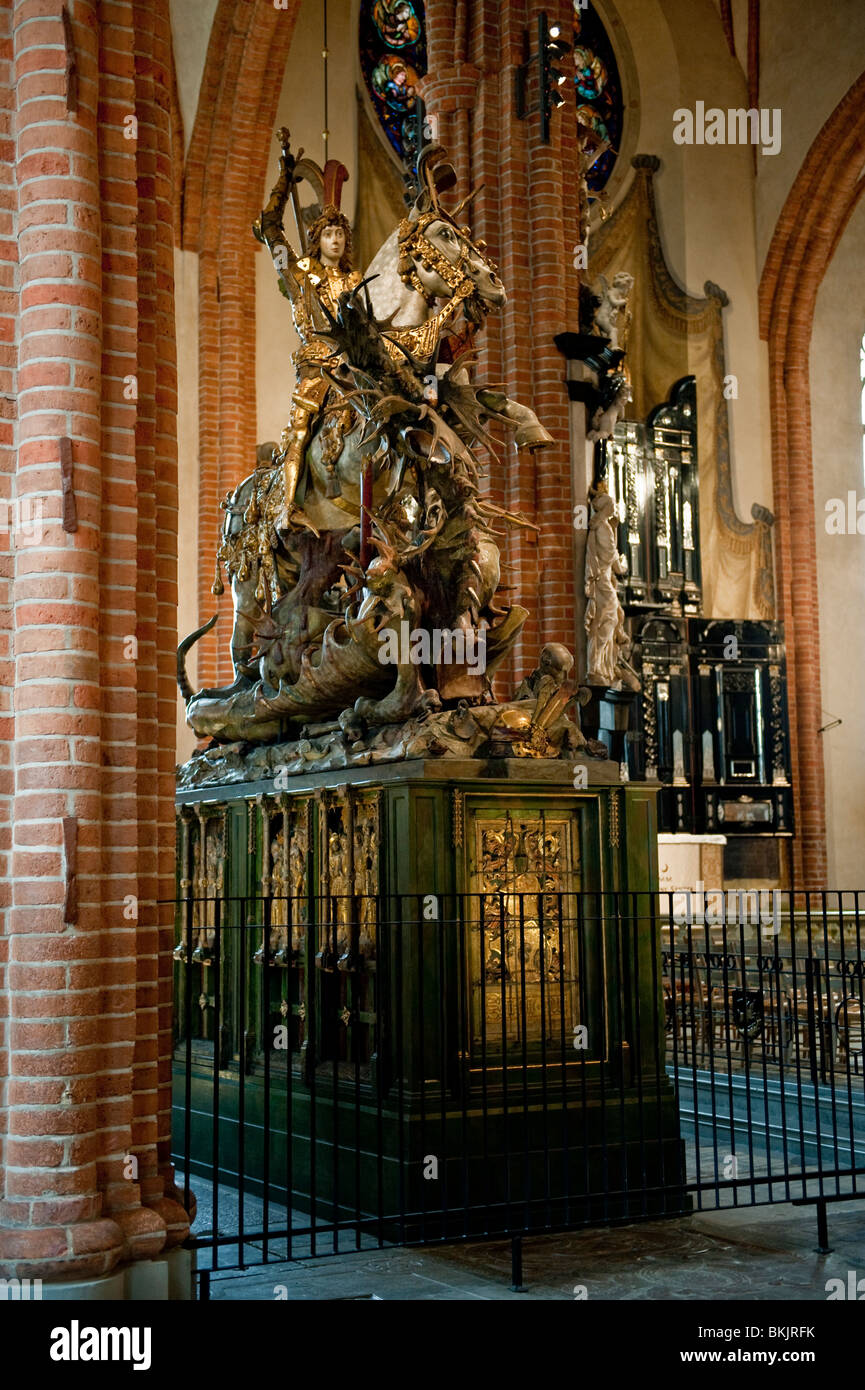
x=361 y=1071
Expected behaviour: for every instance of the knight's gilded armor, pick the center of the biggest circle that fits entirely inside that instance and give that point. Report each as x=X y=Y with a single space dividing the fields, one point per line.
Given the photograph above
x=304 y=279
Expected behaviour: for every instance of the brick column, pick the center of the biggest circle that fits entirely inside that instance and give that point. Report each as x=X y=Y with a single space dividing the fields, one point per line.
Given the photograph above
x=554 y=288
x=86 y=1157
x=8 y=394
x=156 y=449
x=53 y=1205
x=527 y=214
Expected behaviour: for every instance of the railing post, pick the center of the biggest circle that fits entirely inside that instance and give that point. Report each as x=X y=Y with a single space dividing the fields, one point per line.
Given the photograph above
x=812 y=1017
x=517 y=1285
x=823 y=1246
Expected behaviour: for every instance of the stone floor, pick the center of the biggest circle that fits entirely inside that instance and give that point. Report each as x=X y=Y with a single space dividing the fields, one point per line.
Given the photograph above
x=759 y=1254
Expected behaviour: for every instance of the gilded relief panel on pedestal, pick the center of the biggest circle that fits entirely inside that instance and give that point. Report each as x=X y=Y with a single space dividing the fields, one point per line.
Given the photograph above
x=525 y=874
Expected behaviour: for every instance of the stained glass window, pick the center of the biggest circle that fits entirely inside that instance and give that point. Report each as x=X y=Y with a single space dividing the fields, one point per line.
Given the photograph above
x=599 y=89
x=393 y=59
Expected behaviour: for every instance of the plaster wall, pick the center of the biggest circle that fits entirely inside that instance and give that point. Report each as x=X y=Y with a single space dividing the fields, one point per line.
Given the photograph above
x=839 y=323
x=719 y=218
x=810 y=56
x=649 y=66
x=739 y=13
x=191 y=22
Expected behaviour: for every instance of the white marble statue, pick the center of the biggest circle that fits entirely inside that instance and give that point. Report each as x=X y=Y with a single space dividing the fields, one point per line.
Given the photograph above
x=608 y=644
x=611 y=315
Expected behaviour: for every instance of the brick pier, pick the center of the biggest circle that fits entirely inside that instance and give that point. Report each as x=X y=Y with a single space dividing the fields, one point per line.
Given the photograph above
x=87 y=343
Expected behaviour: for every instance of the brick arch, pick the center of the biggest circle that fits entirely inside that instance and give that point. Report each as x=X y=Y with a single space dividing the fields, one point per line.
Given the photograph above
x=807 y=233
x=222 y=194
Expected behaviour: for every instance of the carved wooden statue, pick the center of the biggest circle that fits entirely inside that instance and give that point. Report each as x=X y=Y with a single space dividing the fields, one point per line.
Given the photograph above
x=369 y=515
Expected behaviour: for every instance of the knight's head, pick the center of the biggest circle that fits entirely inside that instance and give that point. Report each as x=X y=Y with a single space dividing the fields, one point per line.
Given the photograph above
x=436 y=254
x=330 y=238
x=555 y=660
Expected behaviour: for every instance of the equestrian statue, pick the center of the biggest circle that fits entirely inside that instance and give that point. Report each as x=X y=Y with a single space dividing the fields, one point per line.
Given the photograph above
x=361 y=553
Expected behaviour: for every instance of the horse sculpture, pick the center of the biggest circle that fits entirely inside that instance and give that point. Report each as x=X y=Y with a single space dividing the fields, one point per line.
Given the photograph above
x=398 y=540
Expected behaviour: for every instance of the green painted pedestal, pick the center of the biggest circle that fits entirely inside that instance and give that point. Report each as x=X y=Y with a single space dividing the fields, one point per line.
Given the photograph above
x=442 y=979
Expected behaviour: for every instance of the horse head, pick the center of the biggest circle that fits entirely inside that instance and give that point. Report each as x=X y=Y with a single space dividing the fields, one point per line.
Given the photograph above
x=437 y=256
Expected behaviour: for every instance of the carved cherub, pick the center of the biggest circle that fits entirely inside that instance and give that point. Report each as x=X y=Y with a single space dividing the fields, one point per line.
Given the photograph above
x=615 y=394
x=611 y=315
